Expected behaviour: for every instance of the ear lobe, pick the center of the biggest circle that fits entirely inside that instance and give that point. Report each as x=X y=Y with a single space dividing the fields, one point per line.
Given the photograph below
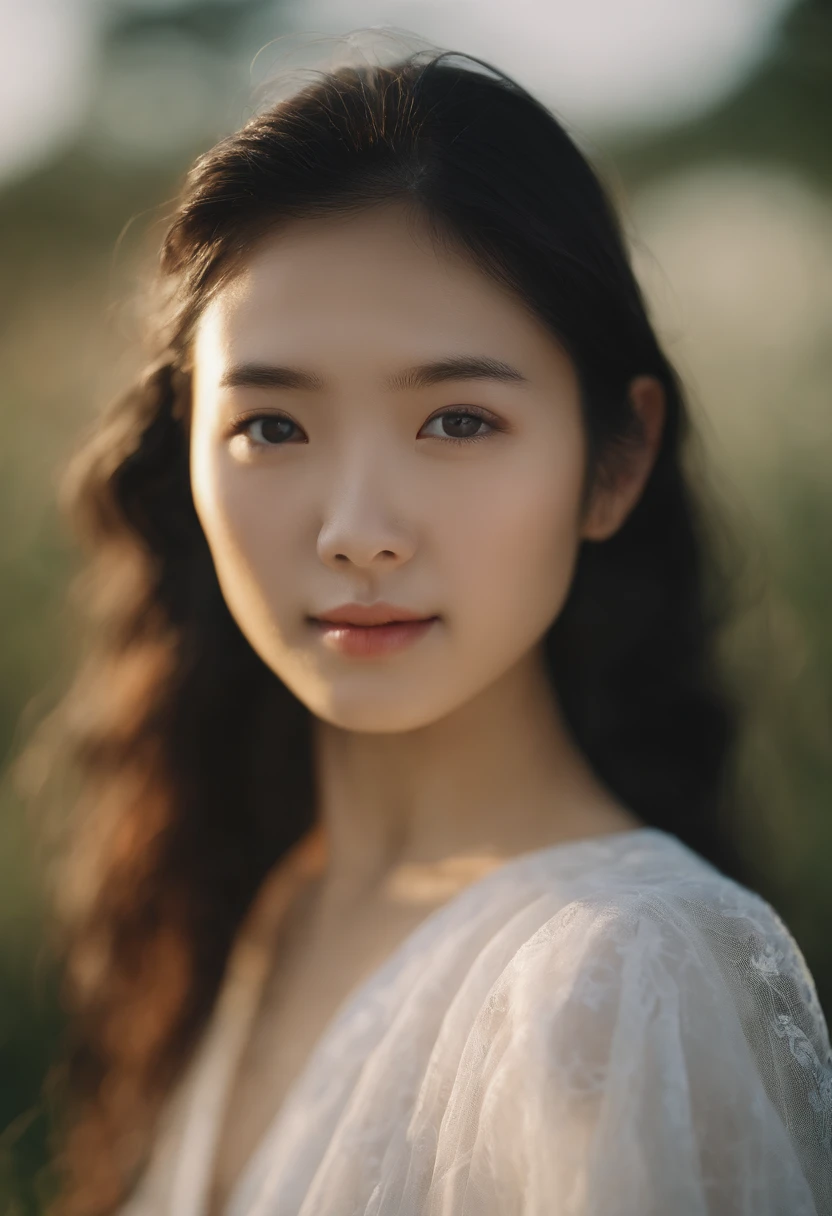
x=617 y=493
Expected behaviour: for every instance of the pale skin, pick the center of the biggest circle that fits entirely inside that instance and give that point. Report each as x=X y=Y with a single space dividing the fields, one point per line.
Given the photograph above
x=439 y=762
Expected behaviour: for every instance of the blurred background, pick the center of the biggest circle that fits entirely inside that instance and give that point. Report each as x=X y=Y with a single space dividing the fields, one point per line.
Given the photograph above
x=711 y=123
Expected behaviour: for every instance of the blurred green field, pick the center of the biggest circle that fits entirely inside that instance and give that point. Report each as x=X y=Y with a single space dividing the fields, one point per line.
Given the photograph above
x=731 y=222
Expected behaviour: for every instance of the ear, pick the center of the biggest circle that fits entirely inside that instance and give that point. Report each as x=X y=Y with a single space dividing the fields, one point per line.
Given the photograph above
x=617 y=493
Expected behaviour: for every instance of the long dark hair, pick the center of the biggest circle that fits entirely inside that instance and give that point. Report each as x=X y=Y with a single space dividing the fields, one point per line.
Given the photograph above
x=191 y=760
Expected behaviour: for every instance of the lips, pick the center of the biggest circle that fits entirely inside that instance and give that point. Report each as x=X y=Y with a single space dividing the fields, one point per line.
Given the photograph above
x=380 y=613
x=372 y=641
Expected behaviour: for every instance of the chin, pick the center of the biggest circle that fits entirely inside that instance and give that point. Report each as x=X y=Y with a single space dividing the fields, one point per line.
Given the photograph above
x=380 y=715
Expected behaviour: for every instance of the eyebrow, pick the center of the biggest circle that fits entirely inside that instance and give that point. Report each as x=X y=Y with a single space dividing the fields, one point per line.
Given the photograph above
x=422 y=375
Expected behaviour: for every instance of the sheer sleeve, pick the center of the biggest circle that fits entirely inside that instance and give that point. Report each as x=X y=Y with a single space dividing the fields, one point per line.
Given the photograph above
x=645 y=1055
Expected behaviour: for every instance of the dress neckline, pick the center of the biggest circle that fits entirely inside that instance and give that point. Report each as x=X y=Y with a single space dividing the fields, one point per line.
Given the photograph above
x=231 y=1022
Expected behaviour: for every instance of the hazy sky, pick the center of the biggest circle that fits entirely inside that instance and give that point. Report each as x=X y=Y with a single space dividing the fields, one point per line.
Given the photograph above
x=600 y=63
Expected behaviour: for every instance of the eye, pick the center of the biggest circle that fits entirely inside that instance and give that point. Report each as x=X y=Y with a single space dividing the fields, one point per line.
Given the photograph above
x=466 y=422
x=274 y=429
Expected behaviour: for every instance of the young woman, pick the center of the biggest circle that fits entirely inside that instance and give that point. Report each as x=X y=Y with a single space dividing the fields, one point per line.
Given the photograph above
x=402 y=885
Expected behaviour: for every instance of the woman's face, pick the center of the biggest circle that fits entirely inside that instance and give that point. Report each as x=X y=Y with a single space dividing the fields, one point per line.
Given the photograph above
x=380 y=467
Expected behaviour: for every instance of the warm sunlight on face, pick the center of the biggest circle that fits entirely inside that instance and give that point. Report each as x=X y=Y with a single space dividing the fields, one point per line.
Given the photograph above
x=348 y=480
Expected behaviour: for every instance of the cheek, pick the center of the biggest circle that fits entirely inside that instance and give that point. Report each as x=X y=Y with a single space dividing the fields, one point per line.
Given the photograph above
x=513 y=555
x=242 y=523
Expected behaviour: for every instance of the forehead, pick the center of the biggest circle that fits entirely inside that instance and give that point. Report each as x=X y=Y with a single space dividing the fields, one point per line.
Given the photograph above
x=370 y=285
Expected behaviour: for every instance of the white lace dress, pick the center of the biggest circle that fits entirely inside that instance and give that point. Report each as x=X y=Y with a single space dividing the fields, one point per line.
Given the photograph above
x=606 y=1027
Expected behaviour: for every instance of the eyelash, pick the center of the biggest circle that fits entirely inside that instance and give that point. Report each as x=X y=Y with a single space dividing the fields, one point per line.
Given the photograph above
x=239 y=425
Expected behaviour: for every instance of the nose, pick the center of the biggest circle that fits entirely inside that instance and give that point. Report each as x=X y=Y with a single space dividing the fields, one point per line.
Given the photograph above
x=361 y=529
x=362 y=546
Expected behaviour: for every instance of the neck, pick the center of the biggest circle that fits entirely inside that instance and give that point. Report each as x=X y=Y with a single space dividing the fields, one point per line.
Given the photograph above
x=497 y=777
